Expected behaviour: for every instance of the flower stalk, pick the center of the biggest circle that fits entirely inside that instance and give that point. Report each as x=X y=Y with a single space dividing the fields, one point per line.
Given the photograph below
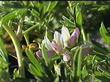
x=18 y=50
x=83 y=34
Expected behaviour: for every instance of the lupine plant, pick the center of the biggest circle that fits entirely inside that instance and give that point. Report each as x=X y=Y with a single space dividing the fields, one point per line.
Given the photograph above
x=54 y=41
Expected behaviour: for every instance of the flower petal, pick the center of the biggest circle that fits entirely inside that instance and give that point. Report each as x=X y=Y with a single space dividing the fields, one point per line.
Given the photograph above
x=66 y=57
x=39 y=54
x=57 y=48
x=47 y=43
x=74 y=37
x=72 y=40
x=57 y=37
x=66 y=35
x=61 y=41
x=76 y=33
x=51 y=53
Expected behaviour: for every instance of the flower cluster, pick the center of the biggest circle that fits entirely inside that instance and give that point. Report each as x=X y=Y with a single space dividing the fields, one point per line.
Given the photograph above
x=60 y=42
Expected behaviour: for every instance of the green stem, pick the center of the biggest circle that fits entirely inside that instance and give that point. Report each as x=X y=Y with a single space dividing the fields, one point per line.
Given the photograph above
x=31 y=28
x=18 y=50
x=92 y=78
x=25 y=33
x=79 y=63
x=83 y=34
x=26 y=38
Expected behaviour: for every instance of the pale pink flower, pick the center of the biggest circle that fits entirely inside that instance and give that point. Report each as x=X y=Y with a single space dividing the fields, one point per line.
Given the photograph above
x=57 y=43
x=66 y=57
x=50 y=53
x=67 y=39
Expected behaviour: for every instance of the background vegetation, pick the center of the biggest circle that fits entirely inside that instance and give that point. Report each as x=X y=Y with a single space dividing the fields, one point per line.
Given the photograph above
x=23 y=25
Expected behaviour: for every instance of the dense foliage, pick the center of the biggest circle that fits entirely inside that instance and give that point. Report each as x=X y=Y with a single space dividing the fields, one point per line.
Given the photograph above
x=54 y=41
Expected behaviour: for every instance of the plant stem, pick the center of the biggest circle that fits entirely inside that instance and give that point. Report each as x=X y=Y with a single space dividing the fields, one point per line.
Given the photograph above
x=83 y=34
x=18 y=50
x=31 y=28
x=25 y=33
x=26 y=38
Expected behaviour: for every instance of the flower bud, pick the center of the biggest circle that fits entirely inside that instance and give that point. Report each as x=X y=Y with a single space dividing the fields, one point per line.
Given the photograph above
x=50 y=54
x=74 y=37
x=66 y=57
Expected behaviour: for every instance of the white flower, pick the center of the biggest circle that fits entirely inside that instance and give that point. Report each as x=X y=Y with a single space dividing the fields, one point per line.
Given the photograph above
x=67 y=39
x=66 y=35
x=57 y=43
x=47 y=43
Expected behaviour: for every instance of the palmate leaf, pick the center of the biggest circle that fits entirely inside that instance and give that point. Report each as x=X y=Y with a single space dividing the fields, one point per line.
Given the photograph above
x=104 y=34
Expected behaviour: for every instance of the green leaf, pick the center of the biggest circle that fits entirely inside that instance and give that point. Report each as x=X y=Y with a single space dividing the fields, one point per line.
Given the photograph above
x=35 y=63
x=22 y=80
x=103 y=76
x=78 y=13
x=4 y=72
x=45 y=53
x=4 y=76
x=34 y=71
x=3 y=50
x=104 y=34
x=57 y=79
x=35 y=13
x=98 y=47
x=12 y=15
x=68 y=21
x=52 y=6
x=79 y=62
x=4 y=64
x=84 y=71
x=74 y=61
x=49 y=6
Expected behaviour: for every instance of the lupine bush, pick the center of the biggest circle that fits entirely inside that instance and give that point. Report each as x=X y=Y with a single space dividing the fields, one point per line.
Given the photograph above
x=54 y=41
